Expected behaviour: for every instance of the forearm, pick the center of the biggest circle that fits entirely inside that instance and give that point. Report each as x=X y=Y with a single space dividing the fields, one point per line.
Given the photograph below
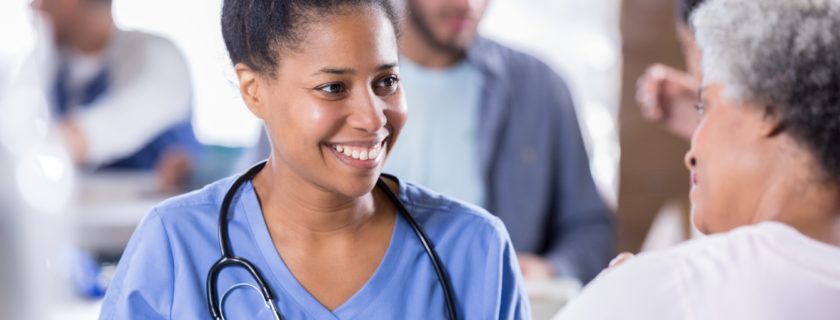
x=583 y=250
x=74 y=141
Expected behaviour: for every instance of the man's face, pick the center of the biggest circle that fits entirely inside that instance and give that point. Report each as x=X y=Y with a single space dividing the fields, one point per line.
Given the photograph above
x=63 y=15
x=447 y=24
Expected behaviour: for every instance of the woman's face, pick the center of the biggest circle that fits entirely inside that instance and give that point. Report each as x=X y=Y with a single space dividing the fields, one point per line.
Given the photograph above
x=729 y=162
x=334 y=108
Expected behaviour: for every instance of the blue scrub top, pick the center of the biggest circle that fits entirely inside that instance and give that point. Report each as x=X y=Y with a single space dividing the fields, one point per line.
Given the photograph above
x=163 y=271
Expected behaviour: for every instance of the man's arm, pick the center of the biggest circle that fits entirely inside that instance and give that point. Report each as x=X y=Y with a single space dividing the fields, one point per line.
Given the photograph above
x=148 y=95
x=582 y=239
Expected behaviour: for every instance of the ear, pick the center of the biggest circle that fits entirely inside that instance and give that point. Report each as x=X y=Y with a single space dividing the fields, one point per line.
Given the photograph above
x=772 y=124
x=249 y=86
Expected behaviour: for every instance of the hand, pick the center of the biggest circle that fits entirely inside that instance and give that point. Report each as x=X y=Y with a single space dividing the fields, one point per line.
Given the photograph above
x=535 y=267
x=620 y=259
x=74 y=141
x=172 y=170
x=668 y=96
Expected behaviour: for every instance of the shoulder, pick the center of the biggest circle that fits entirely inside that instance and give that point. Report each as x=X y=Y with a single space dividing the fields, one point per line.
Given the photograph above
x=706 y=260
x=513 y=57
x=170 y=237
x=136 y=47
x=439 y=211
x=489 y=52
x=715 y=253
x=537 y=86
x=198 y=204
x=127 y=40
x=663 y=282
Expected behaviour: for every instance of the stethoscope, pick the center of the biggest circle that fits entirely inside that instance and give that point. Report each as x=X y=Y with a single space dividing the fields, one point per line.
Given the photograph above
x=228 y=259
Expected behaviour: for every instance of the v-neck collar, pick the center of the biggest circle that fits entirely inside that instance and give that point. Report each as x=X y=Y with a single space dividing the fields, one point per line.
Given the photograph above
x=295 y=292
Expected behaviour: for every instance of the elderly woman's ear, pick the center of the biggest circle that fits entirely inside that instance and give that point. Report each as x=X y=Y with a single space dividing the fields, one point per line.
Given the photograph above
x=775 y=122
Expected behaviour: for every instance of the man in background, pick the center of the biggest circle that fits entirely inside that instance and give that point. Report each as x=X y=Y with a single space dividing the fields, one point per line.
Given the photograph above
x=496 y=127
x=121 y=99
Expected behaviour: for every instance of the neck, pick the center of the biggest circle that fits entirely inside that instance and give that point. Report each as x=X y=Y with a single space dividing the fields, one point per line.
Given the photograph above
x=300 y=208
x=804 y=202
x=424 y=52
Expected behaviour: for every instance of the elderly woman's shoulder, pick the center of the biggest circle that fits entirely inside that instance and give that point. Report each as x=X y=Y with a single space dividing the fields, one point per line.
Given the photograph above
x=713 y=247
x=714 y=258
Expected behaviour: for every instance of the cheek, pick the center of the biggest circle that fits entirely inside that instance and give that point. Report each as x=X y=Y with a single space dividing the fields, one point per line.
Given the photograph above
x=316 y=122
x=709 y=196
x=299 y=125
x=396 y=115
x=729 y=167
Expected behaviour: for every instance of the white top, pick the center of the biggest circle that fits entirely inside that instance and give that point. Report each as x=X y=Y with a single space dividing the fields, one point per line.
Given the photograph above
x=149 y=91
x=766 y=271
x=438 y=147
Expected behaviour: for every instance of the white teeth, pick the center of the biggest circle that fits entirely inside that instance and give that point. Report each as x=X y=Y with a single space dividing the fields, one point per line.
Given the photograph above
x=360 y=153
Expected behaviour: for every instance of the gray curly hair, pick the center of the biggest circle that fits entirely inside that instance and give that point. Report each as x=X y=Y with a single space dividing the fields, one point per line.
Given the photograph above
x=783 y=55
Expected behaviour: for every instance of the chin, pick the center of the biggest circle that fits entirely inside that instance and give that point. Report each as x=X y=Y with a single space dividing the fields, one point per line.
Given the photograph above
x=698 y=221
x=358 y=186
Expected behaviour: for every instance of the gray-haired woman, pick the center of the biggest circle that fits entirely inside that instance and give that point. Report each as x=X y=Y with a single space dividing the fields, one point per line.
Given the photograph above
x=765 y=174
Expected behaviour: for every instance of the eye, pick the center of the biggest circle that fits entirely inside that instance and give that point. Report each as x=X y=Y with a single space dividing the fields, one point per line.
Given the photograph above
x=332 y=88
x=387 y=85
x=700 y=107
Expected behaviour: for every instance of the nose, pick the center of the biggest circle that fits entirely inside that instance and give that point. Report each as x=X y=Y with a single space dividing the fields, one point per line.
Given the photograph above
x=690 y=160
x=368 y=113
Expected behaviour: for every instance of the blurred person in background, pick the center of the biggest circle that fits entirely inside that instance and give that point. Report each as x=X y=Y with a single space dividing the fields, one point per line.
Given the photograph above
x=121 y=99
x=765 y=173
x=667 y=95
x=496 y=127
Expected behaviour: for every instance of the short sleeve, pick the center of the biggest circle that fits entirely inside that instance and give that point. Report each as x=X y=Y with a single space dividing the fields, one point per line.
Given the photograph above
x=646 y=287
x=143 y=285
x=508 y=299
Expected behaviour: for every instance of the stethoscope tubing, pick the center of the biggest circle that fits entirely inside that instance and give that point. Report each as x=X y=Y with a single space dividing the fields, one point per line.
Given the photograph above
x=229 y=259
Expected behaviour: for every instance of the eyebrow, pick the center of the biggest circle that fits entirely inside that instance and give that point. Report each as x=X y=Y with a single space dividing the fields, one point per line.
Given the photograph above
x=344 y=71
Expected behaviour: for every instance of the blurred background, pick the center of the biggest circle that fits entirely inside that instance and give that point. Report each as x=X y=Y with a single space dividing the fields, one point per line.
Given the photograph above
x=63 y=226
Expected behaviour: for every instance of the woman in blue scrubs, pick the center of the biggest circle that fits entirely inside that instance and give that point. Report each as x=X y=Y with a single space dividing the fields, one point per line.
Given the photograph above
x=328 y=242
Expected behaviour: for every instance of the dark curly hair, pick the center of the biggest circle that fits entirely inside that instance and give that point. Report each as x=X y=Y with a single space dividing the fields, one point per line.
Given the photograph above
x=256 y=30
x=784 y=55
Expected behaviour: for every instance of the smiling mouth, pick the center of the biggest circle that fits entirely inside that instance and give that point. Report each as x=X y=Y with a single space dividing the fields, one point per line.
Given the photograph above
x=360 y=151
x=364 y=155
